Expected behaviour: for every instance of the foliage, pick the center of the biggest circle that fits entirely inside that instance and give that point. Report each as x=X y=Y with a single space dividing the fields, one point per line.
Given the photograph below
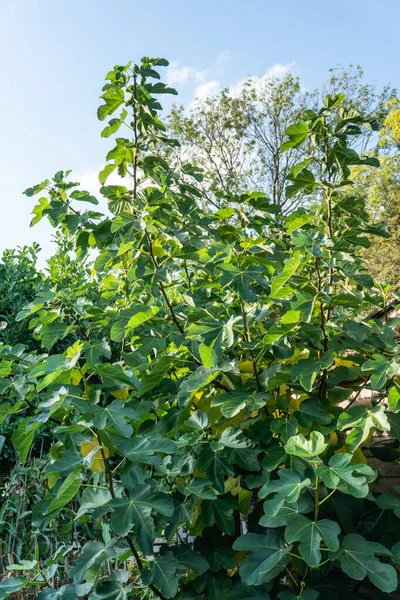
x=362 y=96
x=200 y=384
x=380 y=189
x=391 y=131
x=20 y=281
x=26 y=549
x=235 y=137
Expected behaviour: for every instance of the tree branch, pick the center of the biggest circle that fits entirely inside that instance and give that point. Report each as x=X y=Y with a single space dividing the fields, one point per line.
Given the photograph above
x=161 y=286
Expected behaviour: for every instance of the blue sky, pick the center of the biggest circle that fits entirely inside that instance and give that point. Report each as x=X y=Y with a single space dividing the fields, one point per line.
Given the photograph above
x=55 y=53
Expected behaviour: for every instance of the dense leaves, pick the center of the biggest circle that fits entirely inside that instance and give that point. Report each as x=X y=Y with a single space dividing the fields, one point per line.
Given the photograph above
x=201 y=381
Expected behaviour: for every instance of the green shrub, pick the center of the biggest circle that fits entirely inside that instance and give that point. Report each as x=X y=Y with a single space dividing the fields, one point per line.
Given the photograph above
x=204 y=407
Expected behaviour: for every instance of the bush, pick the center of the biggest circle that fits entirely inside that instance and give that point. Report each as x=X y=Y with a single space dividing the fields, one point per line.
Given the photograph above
x=204 y=407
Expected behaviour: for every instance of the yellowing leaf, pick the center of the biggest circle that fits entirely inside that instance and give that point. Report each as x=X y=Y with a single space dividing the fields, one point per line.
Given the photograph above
x=197 y=397
x=245 y=497
x=296 y=400
x=196 y=512
x=126 y=260
x=261 y=327
x=213 y=412
x=232 y=485
x=121 y=394
x=231 y=572
x=124 y=248
x=52 y=479
x=297 y=355
x=73 y=350
x=246 y=370
x=343 y=449
x=245 y=366
x=333 y=438
x=358 y=458
x=343 y=362
x=98 y=462
x=236 y=421
x=158 y=250
x=240 y=556
x=370 y=435
x=76 y=377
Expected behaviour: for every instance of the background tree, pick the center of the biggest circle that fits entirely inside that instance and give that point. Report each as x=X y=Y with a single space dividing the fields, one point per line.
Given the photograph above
x=20 y=282
x=380 y=189
x=213 y=137
x=271 y=108
x=362 y=96
x=235 y=137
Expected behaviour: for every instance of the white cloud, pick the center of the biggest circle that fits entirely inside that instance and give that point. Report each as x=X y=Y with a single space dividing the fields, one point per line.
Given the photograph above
x=178 y=75
x=277 y=71
x=209 y=88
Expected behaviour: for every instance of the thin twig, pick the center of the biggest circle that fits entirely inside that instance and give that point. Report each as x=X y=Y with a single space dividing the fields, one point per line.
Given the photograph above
x=358 y=393
x=161 y=286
